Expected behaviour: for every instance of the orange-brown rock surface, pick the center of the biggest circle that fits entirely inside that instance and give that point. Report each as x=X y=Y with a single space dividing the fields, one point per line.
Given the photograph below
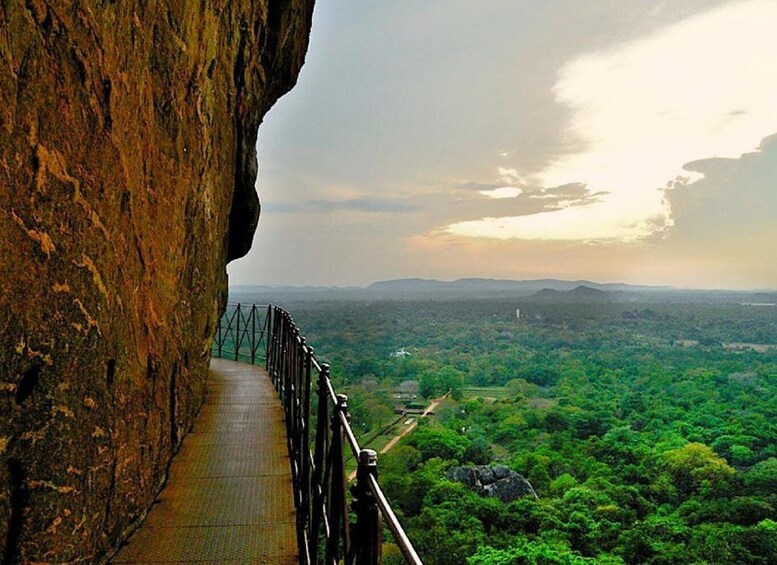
x=127 y=168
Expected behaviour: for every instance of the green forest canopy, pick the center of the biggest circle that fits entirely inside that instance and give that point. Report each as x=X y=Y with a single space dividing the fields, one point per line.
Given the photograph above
x=647 y=435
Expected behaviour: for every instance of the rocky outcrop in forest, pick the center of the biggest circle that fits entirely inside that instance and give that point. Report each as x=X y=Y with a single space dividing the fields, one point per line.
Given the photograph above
x=496 y=481
x=127 y=169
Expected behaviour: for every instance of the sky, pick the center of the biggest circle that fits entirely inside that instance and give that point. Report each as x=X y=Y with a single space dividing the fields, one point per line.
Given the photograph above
x=608 y=140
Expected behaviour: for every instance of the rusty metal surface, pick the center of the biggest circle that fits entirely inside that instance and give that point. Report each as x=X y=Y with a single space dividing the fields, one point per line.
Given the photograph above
x=229 y=495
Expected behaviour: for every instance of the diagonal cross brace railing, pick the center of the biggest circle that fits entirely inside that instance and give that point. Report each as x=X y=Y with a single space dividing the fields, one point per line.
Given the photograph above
x=325 y=533
x=241 y=333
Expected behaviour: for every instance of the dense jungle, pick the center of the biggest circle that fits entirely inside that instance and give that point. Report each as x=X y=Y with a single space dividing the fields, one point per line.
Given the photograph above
x=647 y=430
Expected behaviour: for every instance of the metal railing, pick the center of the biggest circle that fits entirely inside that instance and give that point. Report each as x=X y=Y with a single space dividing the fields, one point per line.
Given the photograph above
x=242 y=333
x=325 y=531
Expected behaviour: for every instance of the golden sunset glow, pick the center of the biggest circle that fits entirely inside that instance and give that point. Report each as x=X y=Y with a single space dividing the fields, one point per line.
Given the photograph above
x=702 y=88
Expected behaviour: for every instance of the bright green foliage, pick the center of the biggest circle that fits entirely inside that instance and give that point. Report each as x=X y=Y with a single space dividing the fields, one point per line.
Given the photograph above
x=695 y=468
x=641 y=447
x=440 y=442
x=534 y=553
x=435 y=382
x=562 y=484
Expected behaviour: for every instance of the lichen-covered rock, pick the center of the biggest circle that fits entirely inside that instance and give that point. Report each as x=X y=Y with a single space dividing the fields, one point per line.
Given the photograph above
x=508 y=489
x=496 y=481
x=465 y=475
x=501 y=471
x=127 y=169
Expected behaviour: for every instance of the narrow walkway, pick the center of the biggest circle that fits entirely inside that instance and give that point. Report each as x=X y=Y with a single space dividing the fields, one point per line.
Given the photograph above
x=229 y=495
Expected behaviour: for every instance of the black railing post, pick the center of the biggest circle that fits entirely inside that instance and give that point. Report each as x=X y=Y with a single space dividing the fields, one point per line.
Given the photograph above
x=276 y=329
x=319 y=460
x=279 y=354
x=304 y=515
x=337 y=504
x=268 y=325
x=366 y=544
x=253 y=334
x=269 y=340
x=237 y=334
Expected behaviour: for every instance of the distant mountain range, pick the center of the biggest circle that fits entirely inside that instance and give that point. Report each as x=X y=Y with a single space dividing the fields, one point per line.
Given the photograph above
x=536 y=290
x=502 y=285
x=580 y=293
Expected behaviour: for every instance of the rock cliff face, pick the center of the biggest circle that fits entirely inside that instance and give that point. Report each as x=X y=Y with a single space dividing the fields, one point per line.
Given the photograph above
x=127 y=168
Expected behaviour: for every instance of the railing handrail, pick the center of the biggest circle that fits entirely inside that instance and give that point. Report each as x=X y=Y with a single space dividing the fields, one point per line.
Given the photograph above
x=403 y=542
x=318 y=474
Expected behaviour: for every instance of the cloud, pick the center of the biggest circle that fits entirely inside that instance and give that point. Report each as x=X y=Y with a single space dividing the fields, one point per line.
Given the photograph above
x=511 y=175
x=478 y=186
x=361 y=204
x=564 y=196
x=575 y=193
x=701 y=88
x=713 y=219
x=509 y=202
x=502 y=192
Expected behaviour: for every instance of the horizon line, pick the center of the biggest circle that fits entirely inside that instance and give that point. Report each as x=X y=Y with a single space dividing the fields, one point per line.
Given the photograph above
x=657 y=287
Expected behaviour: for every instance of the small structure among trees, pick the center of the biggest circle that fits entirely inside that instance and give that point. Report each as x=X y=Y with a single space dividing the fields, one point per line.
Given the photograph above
x=407 y=390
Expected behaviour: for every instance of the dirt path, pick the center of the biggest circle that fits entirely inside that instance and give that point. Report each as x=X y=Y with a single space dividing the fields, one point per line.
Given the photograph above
x=395 y=440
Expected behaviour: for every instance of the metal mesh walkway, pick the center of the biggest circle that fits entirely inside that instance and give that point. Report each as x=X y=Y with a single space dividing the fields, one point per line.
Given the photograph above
x=229 y=495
